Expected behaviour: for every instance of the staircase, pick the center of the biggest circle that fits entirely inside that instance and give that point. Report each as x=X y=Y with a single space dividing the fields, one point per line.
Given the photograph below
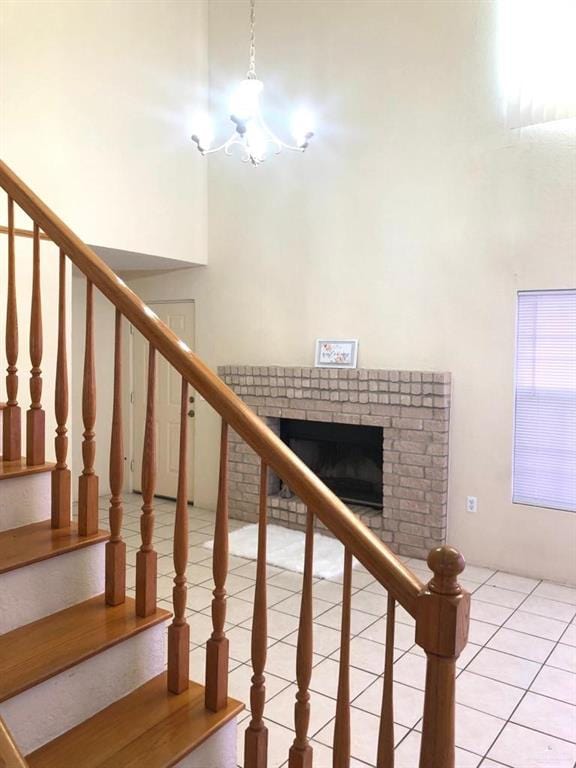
x=90 y=678
x=83 y=683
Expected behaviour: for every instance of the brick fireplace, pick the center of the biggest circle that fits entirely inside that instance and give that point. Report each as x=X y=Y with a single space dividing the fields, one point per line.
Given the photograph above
x=412 y=408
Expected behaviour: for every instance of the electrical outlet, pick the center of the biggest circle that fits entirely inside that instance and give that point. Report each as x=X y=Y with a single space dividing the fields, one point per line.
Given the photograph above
x=471 y=504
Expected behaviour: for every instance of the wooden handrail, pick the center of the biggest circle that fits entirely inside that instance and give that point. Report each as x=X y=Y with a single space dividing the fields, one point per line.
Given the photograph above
x=10 y=755
x=356 y=537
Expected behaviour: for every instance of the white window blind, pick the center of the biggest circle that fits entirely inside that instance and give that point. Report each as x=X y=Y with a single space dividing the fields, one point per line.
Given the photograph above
x=545 y=413
x=537 y=60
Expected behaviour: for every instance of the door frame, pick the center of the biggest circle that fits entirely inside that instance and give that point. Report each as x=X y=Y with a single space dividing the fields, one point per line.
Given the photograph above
x=131 y=367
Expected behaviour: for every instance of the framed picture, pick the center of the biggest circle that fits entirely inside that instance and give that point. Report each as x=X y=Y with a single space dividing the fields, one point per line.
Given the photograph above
x=336 y=353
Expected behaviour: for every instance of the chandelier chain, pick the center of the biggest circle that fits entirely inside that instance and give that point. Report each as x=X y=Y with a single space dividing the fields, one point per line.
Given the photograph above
x=252 y=68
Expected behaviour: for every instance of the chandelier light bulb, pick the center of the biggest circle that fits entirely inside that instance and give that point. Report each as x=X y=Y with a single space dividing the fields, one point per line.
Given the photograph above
x=203 y=131
x=303 y=124
x=251 y=134
x=244 y=104
x=257 y=142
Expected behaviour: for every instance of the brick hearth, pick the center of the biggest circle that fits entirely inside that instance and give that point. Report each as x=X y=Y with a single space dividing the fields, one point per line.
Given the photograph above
x=412 y=407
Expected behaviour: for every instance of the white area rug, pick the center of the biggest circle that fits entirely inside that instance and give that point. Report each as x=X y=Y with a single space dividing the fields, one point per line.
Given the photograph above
x=285 y=549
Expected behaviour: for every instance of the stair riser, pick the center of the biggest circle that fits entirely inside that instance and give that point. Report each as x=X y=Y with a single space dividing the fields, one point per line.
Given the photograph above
x=39 y=589
x=47 y=710
x=24 y=500
x=219 y=751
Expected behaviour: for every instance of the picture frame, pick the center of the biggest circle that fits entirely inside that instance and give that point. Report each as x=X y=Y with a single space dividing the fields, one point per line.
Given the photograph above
x=336 y=353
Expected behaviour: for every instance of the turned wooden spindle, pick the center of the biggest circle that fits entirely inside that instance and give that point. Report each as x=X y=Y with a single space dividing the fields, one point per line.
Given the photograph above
x=12 y=417
x=88 y=482
x=61 y=476
x=36 y=417
x=116 y=548
x=179 y=630
x=146 y=558
x=442 y=620
x=385 y=757
x=300 y=755
x=217 y=647
x=341 y=748
x=256 y=736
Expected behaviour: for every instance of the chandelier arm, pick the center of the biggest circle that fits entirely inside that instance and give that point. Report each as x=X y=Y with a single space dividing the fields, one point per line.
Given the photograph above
x=275 y=140
x=221 y=147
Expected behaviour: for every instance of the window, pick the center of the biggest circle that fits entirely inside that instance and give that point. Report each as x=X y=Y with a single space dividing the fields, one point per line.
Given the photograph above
x=537 y=60
x=545 y=413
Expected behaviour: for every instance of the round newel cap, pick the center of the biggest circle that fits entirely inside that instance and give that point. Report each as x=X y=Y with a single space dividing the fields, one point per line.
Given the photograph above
x=447 y=564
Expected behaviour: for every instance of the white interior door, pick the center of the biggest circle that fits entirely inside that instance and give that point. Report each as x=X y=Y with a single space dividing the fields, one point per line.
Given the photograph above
x=179 y=316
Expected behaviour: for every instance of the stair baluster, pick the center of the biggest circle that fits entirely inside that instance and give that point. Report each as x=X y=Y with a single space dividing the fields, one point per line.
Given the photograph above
x=36 y=417
x=88 y=481
x=10 y=755
x=385 y=757
x=341 y=749
x=217 y=647
x=179 y=630
x=146 y=558
x=12 y=417
x=256 y=736
x=301 y=751
x=61 y=476
x=116 y=548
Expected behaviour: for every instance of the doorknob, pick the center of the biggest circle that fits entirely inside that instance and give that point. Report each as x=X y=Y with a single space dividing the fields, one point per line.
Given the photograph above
x=191 y=414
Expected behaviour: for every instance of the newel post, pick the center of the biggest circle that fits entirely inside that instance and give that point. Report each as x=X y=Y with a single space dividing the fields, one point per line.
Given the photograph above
x=442 y=621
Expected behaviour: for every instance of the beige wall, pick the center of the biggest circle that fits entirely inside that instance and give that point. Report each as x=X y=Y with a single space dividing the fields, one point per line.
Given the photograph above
x=410 y=224
x=95 y=108
x=96 y=101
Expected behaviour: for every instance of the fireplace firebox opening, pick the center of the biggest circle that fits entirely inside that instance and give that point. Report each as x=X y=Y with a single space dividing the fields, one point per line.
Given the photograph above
x=347 y=457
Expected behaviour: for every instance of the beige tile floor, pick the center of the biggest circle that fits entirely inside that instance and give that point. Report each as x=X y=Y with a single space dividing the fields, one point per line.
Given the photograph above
x=516 y=686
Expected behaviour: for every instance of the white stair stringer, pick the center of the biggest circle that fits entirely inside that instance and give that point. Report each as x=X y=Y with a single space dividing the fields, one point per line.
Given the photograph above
x=40 y=589
x=47 y=710
x=24 y=500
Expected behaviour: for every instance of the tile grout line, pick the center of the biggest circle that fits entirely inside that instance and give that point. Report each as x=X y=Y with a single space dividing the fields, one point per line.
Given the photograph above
x=509 y=718
x=403 y=652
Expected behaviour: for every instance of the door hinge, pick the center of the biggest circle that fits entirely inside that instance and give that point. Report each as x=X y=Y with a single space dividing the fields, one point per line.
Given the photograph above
x=131 y=329
x=132 y=398
x=132 y=465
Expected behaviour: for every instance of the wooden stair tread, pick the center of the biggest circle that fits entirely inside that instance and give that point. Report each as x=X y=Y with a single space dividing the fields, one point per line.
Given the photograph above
x=19 y=468
x=149 y=728
x=37 y=651
x=39 y=541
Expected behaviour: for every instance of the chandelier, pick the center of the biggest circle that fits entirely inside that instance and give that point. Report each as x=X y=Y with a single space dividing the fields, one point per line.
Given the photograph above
x=251 y=134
